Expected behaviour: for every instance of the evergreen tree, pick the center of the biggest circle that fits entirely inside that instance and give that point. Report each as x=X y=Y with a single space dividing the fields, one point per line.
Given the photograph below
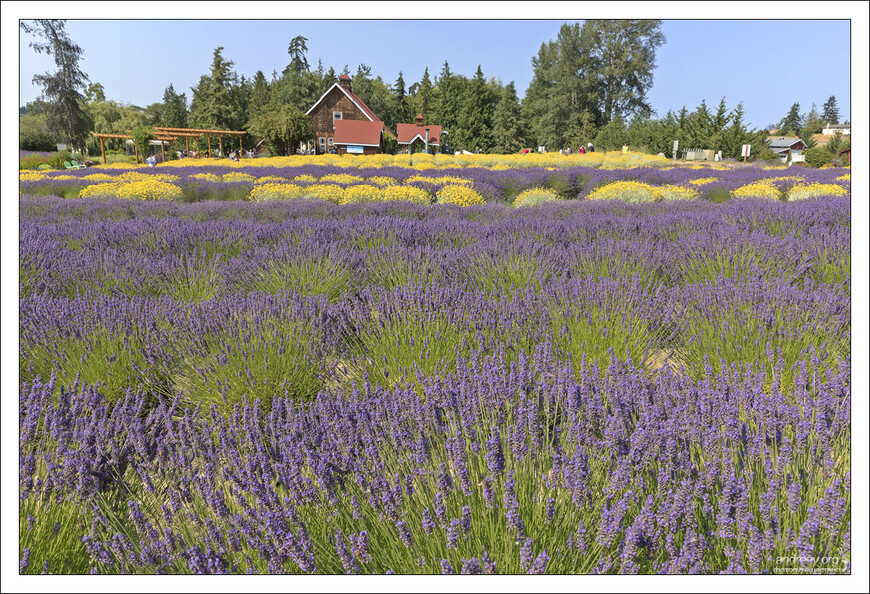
x=621 y=55
x=792 y=121
x=298 y=50
x=813 y=121
x=402 y=107
x=698 y=132
x=260 y=94
x=447 y=104
x=561 y=90
x=830 y=111
x=329 y=79
x=736 y=135
x=213 y=105
x=423 y=97
x=612 y=136
x=174 y=109
x=474 y=127
x=507 y=124
x=65 y=117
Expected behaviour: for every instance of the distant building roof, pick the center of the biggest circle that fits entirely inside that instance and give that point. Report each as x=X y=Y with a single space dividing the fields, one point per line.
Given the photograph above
x=358 y=132
x=784 y=142
x=406 y=133
x=836 y=126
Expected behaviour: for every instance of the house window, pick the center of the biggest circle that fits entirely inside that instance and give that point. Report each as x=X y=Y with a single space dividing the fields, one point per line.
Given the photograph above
x=336 y=115
x=322 y=141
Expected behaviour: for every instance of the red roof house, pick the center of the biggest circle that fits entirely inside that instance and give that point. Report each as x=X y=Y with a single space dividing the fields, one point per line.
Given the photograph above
x=414 y=137
x=337 y=107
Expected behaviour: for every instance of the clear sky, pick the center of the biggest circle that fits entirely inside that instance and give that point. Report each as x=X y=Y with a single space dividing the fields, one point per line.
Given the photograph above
x=766 y=64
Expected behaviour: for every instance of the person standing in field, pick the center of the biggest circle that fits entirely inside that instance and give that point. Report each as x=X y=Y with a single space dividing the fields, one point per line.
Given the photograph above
x=582 y=150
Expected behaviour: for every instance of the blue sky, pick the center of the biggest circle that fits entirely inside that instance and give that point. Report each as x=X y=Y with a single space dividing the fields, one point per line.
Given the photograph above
x=766 y=64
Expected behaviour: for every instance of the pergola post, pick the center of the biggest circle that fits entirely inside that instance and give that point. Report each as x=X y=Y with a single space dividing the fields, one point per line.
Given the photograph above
x=103 y=149
x=187 y=146
x=208 y=142
x=163 y=151
x=220 y=145
x=136 y=150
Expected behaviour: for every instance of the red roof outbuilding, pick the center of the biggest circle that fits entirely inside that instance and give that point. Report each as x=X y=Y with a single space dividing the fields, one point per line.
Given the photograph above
x=406 y=133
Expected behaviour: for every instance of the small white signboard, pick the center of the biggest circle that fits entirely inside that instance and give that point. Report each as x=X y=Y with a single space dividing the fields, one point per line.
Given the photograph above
x=746 y=149
x=61 y=146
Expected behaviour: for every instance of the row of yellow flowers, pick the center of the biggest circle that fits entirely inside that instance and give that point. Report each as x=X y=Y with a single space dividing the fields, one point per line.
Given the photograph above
x=602 y=160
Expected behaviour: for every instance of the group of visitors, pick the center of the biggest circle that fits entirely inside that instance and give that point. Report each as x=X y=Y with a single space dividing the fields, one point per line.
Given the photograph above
x=581 y=151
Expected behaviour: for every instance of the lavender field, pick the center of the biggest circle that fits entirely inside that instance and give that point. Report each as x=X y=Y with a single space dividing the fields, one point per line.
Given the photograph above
x=224 y=380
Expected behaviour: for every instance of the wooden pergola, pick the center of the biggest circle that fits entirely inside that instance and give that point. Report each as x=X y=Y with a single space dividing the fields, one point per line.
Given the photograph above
x=162 y=137
x=199 y=132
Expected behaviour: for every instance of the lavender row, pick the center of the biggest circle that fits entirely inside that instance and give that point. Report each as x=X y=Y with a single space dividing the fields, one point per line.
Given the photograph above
x=496 y=467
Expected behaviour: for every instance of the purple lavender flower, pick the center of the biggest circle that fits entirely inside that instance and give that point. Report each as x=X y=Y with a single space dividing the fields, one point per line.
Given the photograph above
x=466 y=519
x=428 y=522
x=471 y=567
x=494 y=453
x=539 y=567
x=446 y=568
x=452 y=534
x=404 y=533
x=488 y=563
x=526 y=555
x=24 y=562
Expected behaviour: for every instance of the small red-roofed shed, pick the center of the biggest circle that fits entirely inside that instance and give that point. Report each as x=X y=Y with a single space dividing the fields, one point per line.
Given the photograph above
x=417 y=137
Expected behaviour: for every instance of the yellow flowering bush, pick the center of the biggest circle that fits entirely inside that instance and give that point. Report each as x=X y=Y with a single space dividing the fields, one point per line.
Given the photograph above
x=359 y=193
x=342 y=178
x=704 y=181
x=99 y=177
x=845 y=178
x=273 y=191
x=270 y=178
x=461 y=195
x=535 y=196
x=671 y=192
x=101 y=189
x=135 y=176
x=406 y=193
x=381 y=180
x=804 y=191
x=628 y=191
x=326 y=192
x=31 y=176
x=206 y=177
x=444 y=179
x=236 y=176
x=759 y=189
x=147 y=190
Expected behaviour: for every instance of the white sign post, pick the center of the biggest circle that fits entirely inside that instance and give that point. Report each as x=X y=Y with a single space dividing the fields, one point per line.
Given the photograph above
x=676 y=146
x=745 y=153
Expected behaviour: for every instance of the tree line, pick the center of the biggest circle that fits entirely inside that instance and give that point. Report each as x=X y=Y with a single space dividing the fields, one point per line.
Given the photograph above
x=590 y=84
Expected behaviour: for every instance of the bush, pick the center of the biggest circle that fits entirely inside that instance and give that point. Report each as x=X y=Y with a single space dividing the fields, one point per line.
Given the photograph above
x=33 y=162
x=56 y=161
x=818 y=157
x=535 y=196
